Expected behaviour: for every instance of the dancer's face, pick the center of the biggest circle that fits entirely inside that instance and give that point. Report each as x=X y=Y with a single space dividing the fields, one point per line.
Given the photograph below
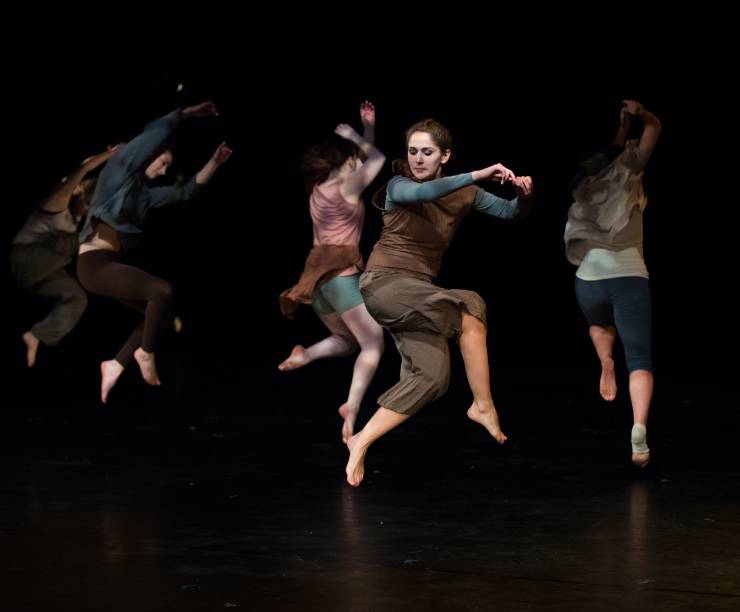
x=425 y=157
x=159 y=166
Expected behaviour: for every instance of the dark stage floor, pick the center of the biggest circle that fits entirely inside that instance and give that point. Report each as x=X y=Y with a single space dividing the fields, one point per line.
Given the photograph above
x=151 y=506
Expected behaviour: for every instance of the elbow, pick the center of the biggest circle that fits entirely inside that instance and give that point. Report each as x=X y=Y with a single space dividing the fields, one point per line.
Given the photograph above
x=376 y=156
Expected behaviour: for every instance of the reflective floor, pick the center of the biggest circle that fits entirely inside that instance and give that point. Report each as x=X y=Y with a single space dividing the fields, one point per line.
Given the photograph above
x=153 y=507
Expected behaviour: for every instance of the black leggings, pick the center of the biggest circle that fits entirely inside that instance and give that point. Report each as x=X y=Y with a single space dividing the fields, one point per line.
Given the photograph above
x=100 y=273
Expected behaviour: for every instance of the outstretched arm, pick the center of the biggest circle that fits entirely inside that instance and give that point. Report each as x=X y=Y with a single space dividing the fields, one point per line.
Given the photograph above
x=220 y=156
x=138 y=150
x=161 y=196
x=58 y=200
x=402 y=190
x=204 y=109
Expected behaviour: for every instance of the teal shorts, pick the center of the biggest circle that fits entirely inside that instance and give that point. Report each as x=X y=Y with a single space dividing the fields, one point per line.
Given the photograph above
x=337 y=296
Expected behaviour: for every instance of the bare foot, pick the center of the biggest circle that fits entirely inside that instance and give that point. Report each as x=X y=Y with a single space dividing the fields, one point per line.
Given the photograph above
x=641 y=460
x=608 y=381
x=32 y=345
x=147 y=366
x=349 y=416
x=110 y=371
x=356 y=465
x=296 y=359
x=488 y=417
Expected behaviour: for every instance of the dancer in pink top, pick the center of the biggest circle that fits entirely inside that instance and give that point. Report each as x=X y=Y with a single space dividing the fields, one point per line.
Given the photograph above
x=336 y=173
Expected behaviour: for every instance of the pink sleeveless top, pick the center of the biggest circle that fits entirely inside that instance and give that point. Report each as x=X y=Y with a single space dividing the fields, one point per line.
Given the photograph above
x=336 y=222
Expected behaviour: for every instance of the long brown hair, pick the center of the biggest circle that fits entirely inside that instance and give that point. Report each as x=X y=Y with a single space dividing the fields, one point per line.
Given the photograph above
x=319 y=160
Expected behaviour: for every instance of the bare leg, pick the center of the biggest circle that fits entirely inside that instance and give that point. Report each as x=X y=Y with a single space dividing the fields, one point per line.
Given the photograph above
x=379 y=424
x=369 y=335
x=341 y=342
x=475 y=354
x=641 y=393
x=352 y=328
x=603 y=339
x=110 y=371
x=32 y=346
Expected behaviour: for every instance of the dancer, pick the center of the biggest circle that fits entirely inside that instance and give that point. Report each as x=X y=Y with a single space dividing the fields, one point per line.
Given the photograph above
x=603 y=237
x=45 y=245
x=121 y=201
x=336 y=177
x=421 y=211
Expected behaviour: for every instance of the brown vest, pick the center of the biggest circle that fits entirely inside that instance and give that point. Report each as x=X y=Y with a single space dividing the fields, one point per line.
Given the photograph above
x=416 y=235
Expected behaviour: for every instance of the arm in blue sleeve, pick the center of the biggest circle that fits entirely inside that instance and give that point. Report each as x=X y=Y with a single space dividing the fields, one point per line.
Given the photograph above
x=135 y=152
x=402 y=190
x=161 y=196
x=495 y=206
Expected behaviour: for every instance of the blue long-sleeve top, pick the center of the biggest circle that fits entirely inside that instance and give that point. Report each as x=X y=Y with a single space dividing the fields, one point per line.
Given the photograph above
x=402 y=190
x=122 y=196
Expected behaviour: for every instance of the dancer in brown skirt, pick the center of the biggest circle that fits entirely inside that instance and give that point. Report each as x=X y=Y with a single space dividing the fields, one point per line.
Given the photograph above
x=421 y=211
